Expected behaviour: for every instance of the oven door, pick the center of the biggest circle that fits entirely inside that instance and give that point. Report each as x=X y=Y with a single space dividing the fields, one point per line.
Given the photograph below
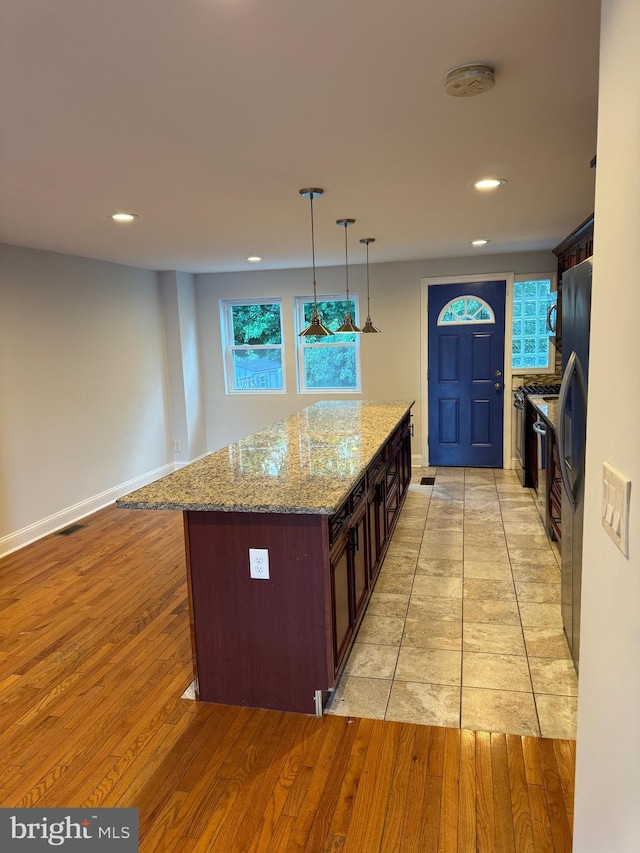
x=518 y=405
x=540 y=430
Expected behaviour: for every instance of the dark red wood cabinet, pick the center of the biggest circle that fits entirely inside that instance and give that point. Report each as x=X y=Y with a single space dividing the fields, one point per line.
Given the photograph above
x=341 y=601
x=554 y=487
x=280 y=643
x=376 y=515
x=575 y=248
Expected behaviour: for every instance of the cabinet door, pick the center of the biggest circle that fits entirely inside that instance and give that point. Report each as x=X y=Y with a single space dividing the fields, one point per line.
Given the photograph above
x=358 y=546
x=341 y=602
x=392 y=509
x=381 y=517
x=374 y=536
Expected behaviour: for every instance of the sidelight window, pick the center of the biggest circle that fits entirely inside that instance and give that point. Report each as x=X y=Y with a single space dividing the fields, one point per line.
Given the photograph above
x=534 y=306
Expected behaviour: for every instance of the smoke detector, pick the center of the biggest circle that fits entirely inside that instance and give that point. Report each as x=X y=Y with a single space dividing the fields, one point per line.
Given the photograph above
x=467 y=80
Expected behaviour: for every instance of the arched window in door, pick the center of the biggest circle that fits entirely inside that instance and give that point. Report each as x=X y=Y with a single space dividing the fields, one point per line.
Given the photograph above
x=466 y=309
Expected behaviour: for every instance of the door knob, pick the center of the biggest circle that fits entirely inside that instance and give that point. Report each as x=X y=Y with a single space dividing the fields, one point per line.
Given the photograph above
x=498 y=373
x=497 y=386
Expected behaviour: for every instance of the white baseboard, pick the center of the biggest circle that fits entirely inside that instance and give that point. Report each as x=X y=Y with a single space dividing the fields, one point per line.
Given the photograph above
x=58 y=520
x=184 y=464
x=416 y=460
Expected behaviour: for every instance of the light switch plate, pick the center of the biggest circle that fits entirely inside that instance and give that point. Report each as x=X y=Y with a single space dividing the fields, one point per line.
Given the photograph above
x=616 y=499
x=259 y=563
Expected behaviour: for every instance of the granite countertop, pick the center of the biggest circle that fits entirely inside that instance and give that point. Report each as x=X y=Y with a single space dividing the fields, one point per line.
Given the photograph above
x=306 y=463
x=547 y=407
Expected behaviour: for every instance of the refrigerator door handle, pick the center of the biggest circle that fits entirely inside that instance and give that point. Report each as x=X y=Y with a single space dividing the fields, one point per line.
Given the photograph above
x=569 y=372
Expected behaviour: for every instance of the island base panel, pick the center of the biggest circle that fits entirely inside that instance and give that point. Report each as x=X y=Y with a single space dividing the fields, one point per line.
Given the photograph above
x=261 y=643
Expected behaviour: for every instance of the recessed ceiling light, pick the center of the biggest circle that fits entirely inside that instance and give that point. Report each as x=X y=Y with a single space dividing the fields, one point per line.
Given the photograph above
x=489 y=183
x=254 y=259
x=124 y=217
x=479 y=242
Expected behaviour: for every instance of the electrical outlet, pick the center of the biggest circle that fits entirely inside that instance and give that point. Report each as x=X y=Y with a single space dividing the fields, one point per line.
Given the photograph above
x=259 y=563
x=177 y=446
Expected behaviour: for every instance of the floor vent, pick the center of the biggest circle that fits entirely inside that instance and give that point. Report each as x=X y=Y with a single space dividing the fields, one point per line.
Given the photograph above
x=427 y=481
x=69 y=530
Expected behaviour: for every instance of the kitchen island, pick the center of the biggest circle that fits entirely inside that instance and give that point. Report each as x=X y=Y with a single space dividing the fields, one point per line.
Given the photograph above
x=320 y=493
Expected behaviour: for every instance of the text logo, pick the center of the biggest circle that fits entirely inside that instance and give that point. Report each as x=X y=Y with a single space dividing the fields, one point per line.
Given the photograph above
x=69 y=829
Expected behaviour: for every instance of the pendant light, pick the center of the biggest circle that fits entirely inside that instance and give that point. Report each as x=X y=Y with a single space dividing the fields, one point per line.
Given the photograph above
x=348 y=324
x=315 y=326
x=368 y=326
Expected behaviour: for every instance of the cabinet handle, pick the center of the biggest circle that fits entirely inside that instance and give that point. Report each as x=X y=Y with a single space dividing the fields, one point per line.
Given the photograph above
x=354 y=538
x=552 y=328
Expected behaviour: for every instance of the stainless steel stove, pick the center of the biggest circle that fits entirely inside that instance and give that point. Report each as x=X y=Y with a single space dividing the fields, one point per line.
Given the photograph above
x=519 y=403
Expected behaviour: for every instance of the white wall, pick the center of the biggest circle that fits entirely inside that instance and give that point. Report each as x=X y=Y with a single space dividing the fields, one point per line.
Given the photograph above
x=83 y=387
x=188 y=431
x=607 y=806
x=390 y=361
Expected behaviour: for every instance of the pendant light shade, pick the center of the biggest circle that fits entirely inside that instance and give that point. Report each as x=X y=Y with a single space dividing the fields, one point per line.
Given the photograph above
x=348 y=324
x=315 y=326
x=368 y=326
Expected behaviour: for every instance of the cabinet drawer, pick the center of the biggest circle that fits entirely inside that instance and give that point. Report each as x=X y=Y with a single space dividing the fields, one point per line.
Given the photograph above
x=338 y=521
x=394 y=443
x=556 y=507
x=375 y=470
x=358 y=493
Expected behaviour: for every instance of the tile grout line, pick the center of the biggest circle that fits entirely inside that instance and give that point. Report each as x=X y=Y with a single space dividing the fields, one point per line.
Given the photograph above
x=464 y=514
x=404 y=625
x=524 y=641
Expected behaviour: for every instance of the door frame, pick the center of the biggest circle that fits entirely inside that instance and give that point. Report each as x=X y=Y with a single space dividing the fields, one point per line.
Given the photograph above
x=507 y=373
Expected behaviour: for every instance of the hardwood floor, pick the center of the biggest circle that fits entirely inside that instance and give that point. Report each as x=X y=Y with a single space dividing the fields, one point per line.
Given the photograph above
x=94 y=655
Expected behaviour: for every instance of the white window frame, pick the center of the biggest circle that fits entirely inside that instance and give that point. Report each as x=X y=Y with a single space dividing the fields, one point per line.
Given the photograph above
x=228 y=347
x=552 y=278
x=301 y=323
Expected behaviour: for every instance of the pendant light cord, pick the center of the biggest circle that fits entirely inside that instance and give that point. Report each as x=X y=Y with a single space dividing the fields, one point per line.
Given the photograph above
x=313 y=254
x=368 y=311
x=346 y=263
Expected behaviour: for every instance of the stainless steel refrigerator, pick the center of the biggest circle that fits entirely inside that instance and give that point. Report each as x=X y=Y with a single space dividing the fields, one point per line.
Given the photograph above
x=572 y=427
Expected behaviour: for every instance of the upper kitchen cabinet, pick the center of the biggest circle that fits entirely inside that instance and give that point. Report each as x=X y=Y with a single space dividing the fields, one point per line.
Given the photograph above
x=574 y=249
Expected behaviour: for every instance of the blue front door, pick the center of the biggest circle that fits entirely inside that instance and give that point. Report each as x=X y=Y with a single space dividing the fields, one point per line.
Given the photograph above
x=466 y=364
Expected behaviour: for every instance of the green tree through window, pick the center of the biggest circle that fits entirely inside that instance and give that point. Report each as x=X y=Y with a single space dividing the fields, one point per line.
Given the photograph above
x=252 y=335
x=328 y=363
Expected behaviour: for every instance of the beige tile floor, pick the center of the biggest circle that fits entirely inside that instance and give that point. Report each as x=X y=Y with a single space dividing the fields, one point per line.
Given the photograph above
x=464 y=627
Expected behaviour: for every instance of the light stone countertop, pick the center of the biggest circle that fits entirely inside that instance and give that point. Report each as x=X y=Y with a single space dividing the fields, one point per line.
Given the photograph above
x=547 y=407
x=306 y=463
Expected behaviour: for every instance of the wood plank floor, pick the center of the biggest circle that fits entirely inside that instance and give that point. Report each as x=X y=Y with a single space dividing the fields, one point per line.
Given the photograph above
x=94 y=655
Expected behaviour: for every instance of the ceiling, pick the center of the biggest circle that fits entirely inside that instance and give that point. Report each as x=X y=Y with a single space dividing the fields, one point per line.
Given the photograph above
x=205 y=117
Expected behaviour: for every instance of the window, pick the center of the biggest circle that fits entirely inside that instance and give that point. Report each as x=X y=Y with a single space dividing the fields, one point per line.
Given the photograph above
x=466 y=309
x=532 y=348
x=252 y=345
x=329 y=363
